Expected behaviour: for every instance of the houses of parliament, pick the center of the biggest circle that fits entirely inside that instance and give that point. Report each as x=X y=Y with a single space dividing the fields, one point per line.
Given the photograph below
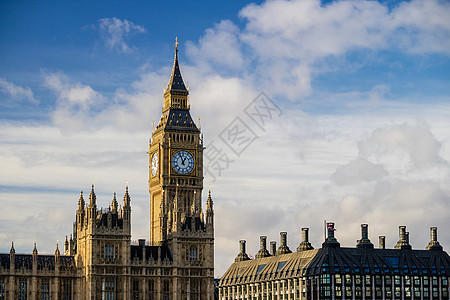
x=99 y=260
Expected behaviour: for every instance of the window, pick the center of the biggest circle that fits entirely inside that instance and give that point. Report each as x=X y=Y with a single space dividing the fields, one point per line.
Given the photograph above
x=260 y=267
x=22 y=292
x=45 y=290
x=193 y=253
x=2 y=290
x=135 y=291
x=166 y=290
x=195 y=289
x=348 y=279
x=151 y=290
x=109 y=252
x=280 y=265
x=108 y=289
x=66 y=286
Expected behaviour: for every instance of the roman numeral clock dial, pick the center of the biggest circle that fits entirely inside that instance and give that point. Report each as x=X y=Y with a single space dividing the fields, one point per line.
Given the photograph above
x=183 y=162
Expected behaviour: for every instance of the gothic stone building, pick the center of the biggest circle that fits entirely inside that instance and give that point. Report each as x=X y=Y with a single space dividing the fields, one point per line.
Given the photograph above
x=99 y=260
x=335 y=272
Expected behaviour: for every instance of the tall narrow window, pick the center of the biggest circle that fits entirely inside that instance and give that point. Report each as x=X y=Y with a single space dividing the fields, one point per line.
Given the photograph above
x=195 y=289
x=135 y=291
x=108 y=289
x=109 y=252
x=2 y=290
x=193 y=256
x=151 y=290
x=166 y=290
x=45 y=289
x=66 y=287
x=22 y=292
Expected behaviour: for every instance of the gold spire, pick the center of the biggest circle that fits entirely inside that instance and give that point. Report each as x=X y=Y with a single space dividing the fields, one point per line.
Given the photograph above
x=176 y=44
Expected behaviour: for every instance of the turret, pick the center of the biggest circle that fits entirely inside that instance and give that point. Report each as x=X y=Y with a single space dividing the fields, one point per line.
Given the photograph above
x=176 y=215
x=92 y=198
x=209 y=211
x=80 y=212
x=66 y=246
x=114 y=204
x=127 y=209
x=242 y=255
x=57 y=259
x=81 y=202
x=12 y=258
x=35 y=257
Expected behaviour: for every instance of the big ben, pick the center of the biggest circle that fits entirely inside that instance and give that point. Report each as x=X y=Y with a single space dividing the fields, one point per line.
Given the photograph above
x=175 y=186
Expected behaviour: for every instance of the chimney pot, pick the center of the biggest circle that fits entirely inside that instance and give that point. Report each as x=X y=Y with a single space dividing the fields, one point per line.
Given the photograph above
x=273 y=247
x=305 y=235
x=242 y=245
x=262 y=242
x=382 y=240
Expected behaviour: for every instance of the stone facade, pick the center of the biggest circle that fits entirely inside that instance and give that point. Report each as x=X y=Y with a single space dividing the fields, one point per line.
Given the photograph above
x=335 y=272
x=100 y=261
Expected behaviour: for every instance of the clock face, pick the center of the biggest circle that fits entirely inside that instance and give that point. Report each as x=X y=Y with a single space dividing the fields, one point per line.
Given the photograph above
x=183 y=162
x=154 y=164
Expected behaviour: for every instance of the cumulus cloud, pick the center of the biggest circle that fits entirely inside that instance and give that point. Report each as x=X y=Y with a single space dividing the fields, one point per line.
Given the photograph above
x=17 y=93
x=72 y=95
x=358 y=171
x=414 y=145
x=286 y=42
x=114 y=32
x=219 y=46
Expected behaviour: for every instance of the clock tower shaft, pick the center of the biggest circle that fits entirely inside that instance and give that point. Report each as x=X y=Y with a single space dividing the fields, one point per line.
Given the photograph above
x=175 y=163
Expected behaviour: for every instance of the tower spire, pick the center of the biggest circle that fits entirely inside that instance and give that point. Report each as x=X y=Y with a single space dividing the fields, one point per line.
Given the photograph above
x=114 y=203
x=92 y=197
x=176 y=83
x=81 y=202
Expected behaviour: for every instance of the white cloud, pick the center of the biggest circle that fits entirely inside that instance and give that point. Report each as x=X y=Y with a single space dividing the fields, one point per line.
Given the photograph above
x=358 y=171
x=114 y=31
x=219 y=46
x=414 y=145
x=72 y=95
x=17 y=93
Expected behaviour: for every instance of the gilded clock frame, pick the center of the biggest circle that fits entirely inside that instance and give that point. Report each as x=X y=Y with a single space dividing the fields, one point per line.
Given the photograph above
x=194 y=156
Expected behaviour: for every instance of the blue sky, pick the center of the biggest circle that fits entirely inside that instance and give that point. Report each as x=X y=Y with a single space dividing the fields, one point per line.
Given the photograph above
x=363 y=88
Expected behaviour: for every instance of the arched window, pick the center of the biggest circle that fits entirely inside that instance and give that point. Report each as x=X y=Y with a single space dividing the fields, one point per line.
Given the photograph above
x=193 y=256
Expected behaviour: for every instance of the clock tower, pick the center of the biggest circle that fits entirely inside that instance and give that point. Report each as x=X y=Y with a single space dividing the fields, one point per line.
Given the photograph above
x=175 y=185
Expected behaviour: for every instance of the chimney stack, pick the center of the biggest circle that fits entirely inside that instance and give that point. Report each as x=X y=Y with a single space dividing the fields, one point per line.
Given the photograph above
x=262 y=250
x=242 y=255
x=382 y=241
x=305 y=244
x=403 y=242
x=273 y=248
x=433 y=244
x=364 y=242
x=283 y=249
